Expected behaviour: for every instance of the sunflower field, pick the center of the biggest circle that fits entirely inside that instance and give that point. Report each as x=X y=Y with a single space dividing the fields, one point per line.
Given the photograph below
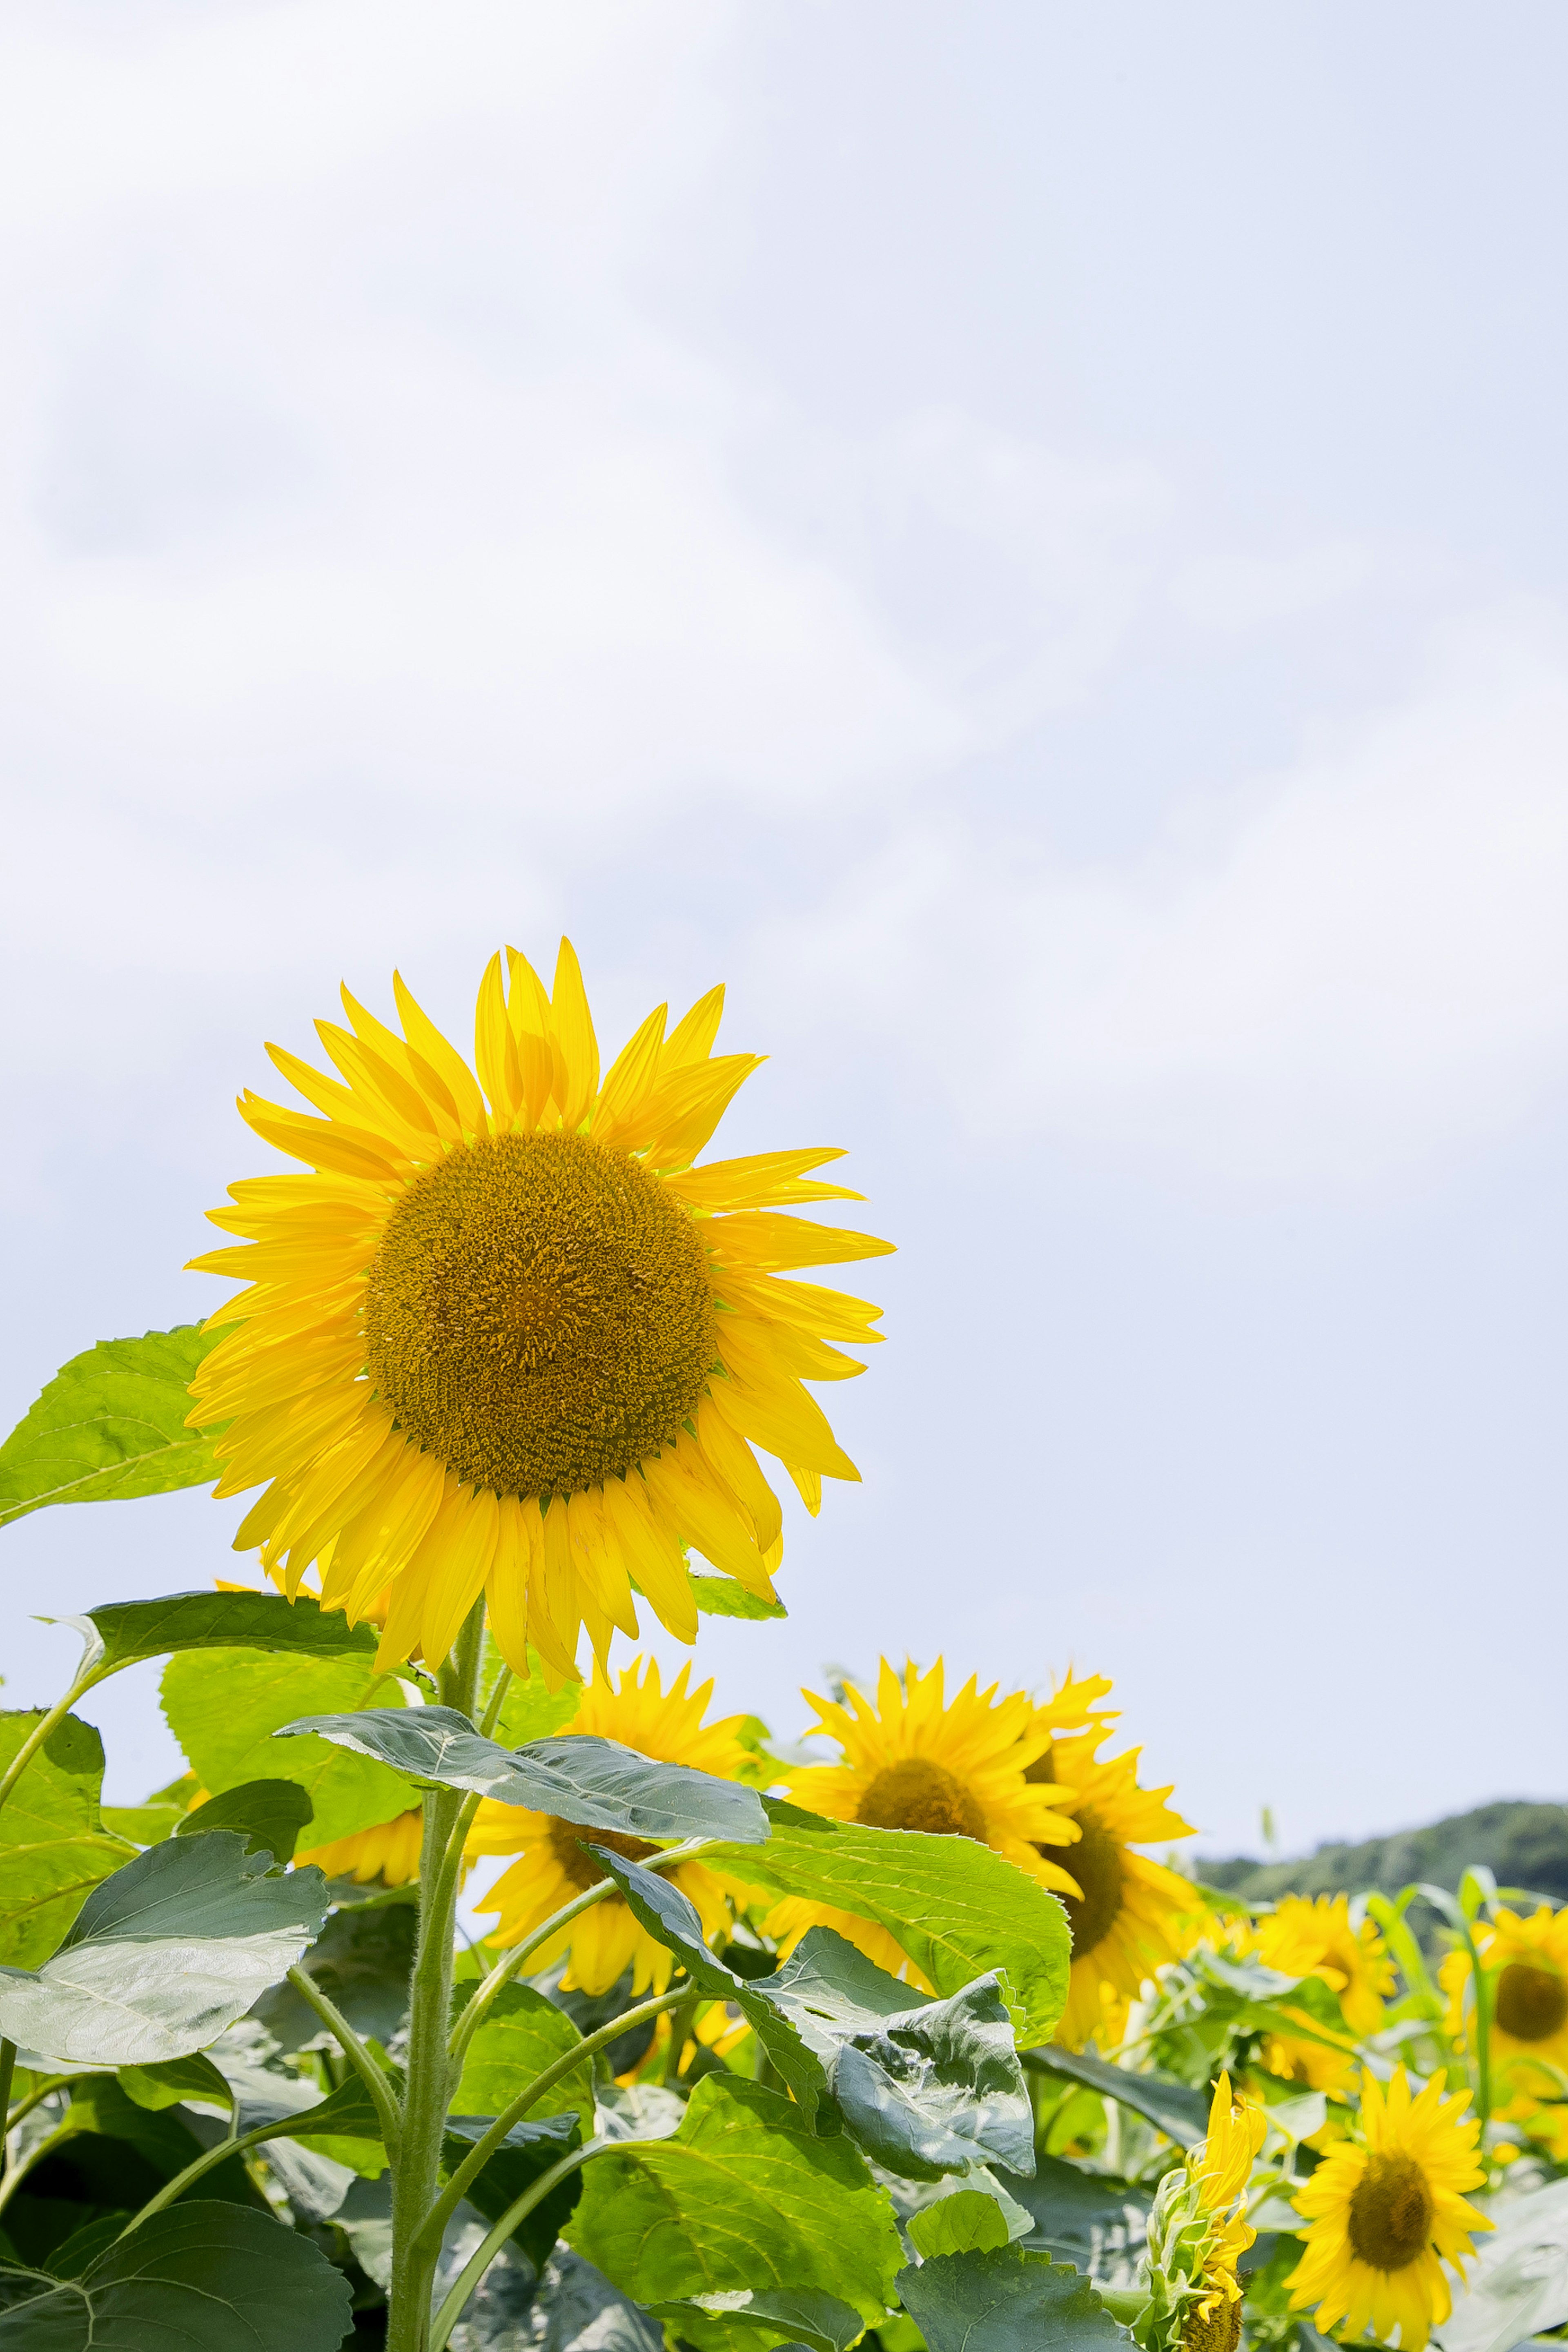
x=474 y=1986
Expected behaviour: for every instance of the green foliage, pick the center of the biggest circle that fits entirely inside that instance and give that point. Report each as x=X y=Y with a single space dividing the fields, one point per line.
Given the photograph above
x=1091 y=2218
x=530 y=1709
x=163 y=1955
x=958 y=1910
x=1002 y=2300
x=528 y=2149
x=130 y=1629
x=523 y=2034
x=112 y=1423
x=802 y=2314
x=53 y=1848
x=207 y=2276
x=595 y=1783
x=721 y=1596
x=361 y=1961
x=742 y=2196
x=967 y=2223
x=165 y=2085
x=269 y=1815
x=1179 y=2110
x=224 y=1709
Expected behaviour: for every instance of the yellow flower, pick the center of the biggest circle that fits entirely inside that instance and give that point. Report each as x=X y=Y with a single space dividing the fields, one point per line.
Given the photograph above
x=912 y=1762
x=1198 y=2232
x=1386 y=2211
x=513 y=1341
x=604 y=1942
x=1314 y=1938
x=1125 y=1911
x=1527 y=1962
x=390 y=1852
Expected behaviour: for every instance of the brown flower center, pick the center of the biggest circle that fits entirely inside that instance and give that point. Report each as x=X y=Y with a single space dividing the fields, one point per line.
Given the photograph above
x=538 y=1314
x=1220 y=2331
x=1096 y=1862
x=580 y=1867
x=1531 y=2003
x=916 y=1795
x=1391 y=2213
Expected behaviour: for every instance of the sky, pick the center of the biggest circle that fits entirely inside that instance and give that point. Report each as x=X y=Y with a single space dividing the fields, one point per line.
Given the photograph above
x=1029 y=541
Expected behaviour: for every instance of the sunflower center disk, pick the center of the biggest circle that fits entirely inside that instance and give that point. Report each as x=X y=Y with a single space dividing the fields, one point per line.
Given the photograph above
x=1219 y=2332
x=1096 y=1862
x=580 y=1867
x=916 y=1794
x=538 y=1314
x=1531 y=2003
x=1391 y=2213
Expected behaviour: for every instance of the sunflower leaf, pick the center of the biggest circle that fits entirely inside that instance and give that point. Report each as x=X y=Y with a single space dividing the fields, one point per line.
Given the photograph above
x=164 y=1955
x=269 y=1815
x=597 y=1783
x=1181 y=2112
x=1087 y=2218
x=802 y=2314
x=1000 y=2300
x=530 y=2148
x=721 y=1596
x=53 y=1848
x=111 y=1425
x=958 y=1910
x=967 y=2223
x=130 y=1629
x=523 y=2033
x=362 y=1963
x=742 y=2196
x=205 y=2276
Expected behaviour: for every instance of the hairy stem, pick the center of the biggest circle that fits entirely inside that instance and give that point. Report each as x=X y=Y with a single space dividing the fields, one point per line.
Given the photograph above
x=484 y=2254
x=417 y=2169
x=7 y=2076
x=357 y=2056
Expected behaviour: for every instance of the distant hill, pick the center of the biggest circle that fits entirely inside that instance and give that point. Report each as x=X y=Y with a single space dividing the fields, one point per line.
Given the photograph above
x=1523 y=1845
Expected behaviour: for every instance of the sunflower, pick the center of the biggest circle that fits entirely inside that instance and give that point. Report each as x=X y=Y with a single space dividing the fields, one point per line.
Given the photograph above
x=1125 y=1911
x=912 y=1762
x=1386 y=2211
x=601 y=1943
x=1526 y=1961
x=513 y=1341
x=1307 y=1937
x=1198 y=2230
x=390 y=1852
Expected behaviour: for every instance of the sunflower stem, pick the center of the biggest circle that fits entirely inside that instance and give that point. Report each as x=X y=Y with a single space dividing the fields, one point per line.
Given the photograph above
x=484 y=2254
x=7 y=2076
x=417 y=2169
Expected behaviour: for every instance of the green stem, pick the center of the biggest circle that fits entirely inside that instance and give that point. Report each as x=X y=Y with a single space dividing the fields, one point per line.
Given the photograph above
x=417 y=2169
x=7 y=2076
x=357 y=2056
x=484 y=2254
x=479 y=2155
x=14 y=2179
x=498 y=1698
x=35 y=2098
x=57 y=1714
x=679 y=2029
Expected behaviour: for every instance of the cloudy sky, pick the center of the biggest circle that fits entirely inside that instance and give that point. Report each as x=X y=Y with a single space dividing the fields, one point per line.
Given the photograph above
x=1028 y=539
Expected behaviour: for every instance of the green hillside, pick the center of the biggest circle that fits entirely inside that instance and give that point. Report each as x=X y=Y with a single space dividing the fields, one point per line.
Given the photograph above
x=1523 y=1845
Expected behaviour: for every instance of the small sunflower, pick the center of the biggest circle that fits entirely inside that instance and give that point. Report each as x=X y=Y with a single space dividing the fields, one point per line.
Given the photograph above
x=1125 y=1911
x=1386 y=2211
x=1526 y=1961
x=914 y=1762
x=1307 y=1938
x=390 y=1852
x=513 y=1341
x=1198 y=2232
x=604 y=1942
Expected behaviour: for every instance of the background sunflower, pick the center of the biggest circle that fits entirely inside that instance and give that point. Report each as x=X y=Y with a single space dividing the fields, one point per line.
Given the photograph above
x=1306 y=1936
x=389 y=1852
x=1527 y=1960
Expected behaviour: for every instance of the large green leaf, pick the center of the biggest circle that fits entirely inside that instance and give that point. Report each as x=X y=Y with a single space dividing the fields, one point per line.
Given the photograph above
x=269 y=1815
x=597 y=1783
x=955 y=1907
x=164 y=1955
x=362 y=1963
x=1004 y=2301
x=53 y=1848
x=1181 y=2112
x=523 y=2034
x=819 y=2321
x=207 y=2276
x=968 y=2222
x=742 y=2196
x=1090 y=2218
x=528 y=2149
x=130 y=1629
x=224 y=1710
x=110 y=1425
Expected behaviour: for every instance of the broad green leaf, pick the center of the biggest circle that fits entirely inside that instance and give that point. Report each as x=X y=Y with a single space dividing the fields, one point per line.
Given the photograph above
x=207 y=2276
x=523 y=2034
x=1181 y=2112
x=53 y=1846
x=224 y=1710
x=1519 y=2281
x=530 y=2148
x=269 y=1815
x=530 y=1709
x=166 y=2085
x=742 y=2196
x=965 y=2224
x=819 y=2321
x=130 y=1629
x=110 y=1423
x=361 y=1961
x=1091 y=2218
x=164 y=1955
x=955 y=1907
x=147 y=1824
x=597 y=1783
x=1005 y=2301
x=721 y=1596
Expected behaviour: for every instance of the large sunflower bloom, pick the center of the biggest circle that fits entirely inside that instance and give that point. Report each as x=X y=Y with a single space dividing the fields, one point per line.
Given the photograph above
x=513 y=1341
x=1386 y=2211
x=1306 y=1938
x=1198 y=2232
x=1124 y=1909
x=1527 y=1960
x=603 y=1942
x=912 y=1762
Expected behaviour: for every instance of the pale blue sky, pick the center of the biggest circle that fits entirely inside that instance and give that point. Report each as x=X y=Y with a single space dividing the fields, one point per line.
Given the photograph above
x=1031 y=540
